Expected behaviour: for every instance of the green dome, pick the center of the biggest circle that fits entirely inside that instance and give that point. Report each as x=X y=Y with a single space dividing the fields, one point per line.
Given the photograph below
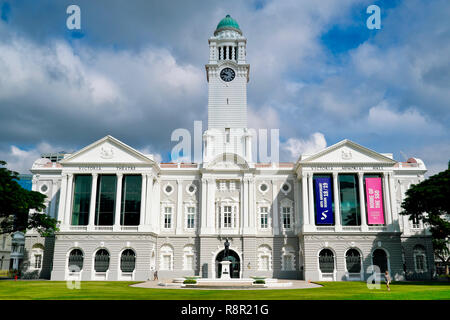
x=228 y=23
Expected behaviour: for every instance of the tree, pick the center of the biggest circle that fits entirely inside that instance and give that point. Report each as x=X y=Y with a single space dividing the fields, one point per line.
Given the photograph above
x=16 y=203
x=429 y=201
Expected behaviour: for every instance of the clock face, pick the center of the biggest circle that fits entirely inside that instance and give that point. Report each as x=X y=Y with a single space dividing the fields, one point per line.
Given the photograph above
x=227 y=74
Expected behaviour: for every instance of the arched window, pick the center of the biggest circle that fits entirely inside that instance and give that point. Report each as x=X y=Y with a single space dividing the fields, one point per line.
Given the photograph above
x=326 y=261
x=264 y=258
x=287 y=258
x=379 y=258
x=101 y=262
x=353 y=261
x=189 y=257
x=420 y=261
x=76 y=260
x=166 y=261
x=128 y=261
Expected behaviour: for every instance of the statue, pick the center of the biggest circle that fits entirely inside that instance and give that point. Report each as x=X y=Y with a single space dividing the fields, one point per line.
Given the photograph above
x=226 y=251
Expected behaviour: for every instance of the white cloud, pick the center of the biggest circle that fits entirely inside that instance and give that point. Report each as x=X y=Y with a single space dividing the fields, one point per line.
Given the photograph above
x=297 y=147
x=21 y=160
x=384 y=119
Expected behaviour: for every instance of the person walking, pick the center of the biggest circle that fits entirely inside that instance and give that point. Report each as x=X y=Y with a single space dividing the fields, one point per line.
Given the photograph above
x=388 y=280
x=155 y=275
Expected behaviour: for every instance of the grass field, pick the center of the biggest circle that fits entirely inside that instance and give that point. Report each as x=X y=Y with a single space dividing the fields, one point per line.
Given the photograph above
x=56 y=290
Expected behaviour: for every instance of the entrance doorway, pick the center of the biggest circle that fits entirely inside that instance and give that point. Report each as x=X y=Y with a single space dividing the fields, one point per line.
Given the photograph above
x=235 y=265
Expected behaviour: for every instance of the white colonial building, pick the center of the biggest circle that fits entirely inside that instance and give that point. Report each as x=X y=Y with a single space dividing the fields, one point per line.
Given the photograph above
x=328 y=216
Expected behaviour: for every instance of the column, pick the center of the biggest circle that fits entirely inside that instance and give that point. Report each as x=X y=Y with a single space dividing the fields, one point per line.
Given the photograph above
x=118 y=202
x=297 y=221
x=62 y=200
x=393 y=195
x=245 y=212
x=276 y=222
x=179 y=220
x=156 y=206
x=143 y=200
x=312 y=220
x=305 y=199
x=386 y=201
x=337 y=202
x=233 y=55
x=54 y=199
x=203 y=206
x=252 y=209
x=362 y=202
x=68 y=206
x=210 y=205
x=93 y=200
x=221 y=53
x=149 y=201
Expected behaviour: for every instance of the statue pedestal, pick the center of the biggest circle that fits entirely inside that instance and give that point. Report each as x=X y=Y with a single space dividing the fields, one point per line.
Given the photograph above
x=225 y=270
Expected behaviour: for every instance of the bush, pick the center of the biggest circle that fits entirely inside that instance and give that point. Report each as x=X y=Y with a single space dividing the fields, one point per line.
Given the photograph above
x=31 y=275
x=259 y=281
x=190 y=281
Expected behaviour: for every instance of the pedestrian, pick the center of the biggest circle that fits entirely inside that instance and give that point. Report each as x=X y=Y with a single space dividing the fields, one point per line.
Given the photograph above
x=388 y=280
x=155 y=275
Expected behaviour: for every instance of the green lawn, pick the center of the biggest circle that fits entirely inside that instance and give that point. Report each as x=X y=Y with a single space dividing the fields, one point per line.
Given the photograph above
x=57 y=290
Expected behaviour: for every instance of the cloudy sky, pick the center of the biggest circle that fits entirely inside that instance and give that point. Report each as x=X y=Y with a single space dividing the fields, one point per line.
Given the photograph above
x=136 y=71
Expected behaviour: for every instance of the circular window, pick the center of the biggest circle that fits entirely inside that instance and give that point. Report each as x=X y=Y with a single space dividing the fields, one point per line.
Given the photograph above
x=44 y=188
x=263 y=187
x=168 y=189
x=285 y=188
x=191 y=189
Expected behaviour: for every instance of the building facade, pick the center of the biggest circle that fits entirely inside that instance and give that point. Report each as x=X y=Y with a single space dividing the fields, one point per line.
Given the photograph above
x=328 y=216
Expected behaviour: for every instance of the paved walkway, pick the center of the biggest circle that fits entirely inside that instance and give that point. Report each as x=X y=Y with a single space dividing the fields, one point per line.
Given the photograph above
x=296 y=284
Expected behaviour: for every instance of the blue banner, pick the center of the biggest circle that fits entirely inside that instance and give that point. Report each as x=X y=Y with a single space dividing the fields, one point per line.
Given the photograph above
x=324 y=198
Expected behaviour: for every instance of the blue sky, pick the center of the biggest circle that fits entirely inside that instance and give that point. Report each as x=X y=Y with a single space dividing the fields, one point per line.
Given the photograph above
x=136 y=71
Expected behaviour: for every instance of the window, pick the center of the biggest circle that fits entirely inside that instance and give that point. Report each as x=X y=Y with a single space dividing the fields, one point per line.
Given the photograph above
x=232 y=185
x=166 y=262
x=106 y=200
x=287 y=258
x=190 y=218
x=353 y=261
x=420 y=259
x=264 y=258
x=227 y=216
x=227 y=135
x=286 y=212
x=287 y=262
x=286 y=188
x=222 y=185
x=263 y=187
x=128 y=261
x=37 y=261
x=101 y=261
x=264 y=217
x=349 y=199
x=167 y=217
x=131 y=200
x=415 y=223
x=189 y=258
x=81 y=200
x=168 y=189
x=326 y=261
x=75 y=260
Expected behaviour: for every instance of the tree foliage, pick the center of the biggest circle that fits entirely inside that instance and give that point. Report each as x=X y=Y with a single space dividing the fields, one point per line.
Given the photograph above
x=16 y=203
x=429 y=201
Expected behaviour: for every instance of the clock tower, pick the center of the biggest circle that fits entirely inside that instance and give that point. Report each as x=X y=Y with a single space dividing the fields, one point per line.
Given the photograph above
x=227 y=73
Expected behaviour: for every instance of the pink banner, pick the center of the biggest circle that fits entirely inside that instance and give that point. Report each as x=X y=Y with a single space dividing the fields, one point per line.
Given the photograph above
x=374 y=198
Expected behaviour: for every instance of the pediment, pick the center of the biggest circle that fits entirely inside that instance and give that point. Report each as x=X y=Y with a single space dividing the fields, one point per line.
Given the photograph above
x=347 y=152
x=228 y=161
x=108 y=150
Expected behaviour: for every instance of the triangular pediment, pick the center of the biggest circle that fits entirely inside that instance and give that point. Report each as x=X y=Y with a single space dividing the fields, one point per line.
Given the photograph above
x=228 y=162
x=108 y=150
x=347 y=152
